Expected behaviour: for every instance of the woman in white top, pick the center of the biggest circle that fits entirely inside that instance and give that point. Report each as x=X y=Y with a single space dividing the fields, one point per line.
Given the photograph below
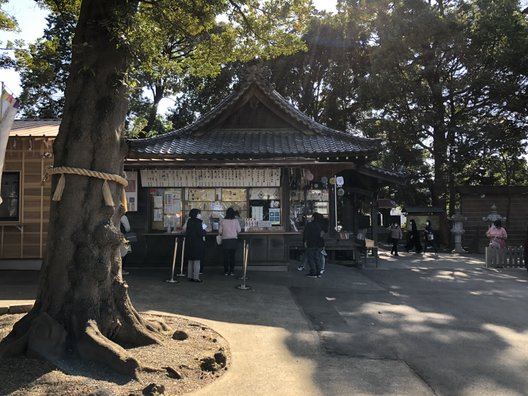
x=229 y=229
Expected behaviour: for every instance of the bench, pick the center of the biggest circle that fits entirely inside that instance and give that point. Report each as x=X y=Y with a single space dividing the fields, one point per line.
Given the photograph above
x=332 y=246
x=370 y=246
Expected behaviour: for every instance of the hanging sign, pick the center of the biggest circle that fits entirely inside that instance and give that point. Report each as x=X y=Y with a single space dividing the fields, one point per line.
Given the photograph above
x=131 y=191
x=211 y=177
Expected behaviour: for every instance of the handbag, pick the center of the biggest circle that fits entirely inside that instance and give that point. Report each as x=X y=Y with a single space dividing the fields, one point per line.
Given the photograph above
x=131 y=237
x=219 y=239
x=430 y=236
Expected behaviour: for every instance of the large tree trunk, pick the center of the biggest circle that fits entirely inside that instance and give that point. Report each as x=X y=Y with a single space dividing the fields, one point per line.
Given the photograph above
x=439 y=192
x=82 y=304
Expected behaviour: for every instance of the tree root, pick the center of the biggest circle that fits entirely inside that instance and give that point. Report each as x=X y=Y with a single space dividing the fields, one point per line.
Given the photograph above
x=135 y=331
x=102 y=340
x=96 y=347
x=43 y=338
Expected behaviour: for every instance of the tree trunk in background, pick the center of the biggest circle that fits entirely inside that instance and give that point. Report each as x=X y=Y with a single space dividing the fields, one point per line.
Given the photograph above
x=159 y=93
x=82 y=304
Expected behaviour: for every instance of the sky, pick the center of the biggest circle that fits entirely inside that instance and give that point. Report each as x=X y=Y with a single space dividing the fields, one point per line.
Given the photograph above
x=31 y=21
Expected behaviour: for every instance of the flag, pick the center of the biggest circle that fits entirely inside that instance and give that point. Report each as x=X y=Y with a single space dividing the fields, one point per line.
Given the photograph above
x=9 y=107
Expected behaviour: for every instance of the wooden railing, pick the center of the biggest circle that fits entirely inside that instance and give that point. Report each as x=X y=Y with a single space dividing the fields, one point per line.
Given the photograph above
x=508 y=257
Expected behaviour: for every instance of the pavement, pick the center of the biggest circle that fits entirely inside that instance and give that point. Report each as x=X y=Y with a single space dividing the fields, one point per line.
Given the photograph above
x=415 y=325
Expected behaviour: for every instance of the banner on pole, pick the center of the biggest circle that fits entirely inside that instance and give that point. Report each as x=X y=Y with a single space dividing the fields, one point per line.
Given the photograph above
x=9 y=108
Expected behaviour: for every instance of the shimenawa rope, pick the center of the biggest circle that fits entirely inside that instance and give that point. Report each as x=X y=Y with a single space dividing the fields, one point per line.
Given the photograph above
x=66 y=170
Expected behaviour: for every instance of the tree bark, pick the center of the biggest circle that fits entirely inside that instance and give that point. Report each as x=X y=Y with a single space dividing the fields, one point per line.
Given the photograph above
x=439 y=193
x=82 y=304
x=159 y=92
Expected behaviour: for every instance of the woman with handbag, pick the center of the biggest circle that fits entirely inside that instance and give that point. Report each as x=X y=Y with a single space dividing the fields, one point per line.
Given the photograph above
x=429 y=237
x=229 y=230
x=497 y=235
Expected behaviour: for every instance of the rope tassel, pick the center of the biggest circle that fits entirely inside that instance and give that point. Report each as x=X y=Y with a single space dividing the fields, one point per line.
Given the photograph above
x=60 y=188
x=107 y=194
x=124 y=200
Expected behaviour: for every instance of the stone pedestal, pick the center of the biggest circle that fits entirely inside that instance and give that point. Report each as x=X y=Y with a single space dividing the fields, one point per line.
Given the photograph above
x=458 y=230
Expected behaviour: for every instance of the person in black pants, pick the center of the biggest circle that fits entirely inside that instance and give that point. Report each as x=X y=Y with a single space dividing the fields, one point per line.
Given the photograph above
x=194 y=244
x=323 y=223
x=395 y=236
x=430 y=237
x=414 y=238
x=312 y=242
x=229 y=229
x=526 y=250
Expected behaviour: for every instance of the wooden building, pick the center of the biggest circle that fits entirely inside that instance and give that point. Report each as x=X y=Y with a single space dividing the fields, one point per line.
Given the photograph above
x=257 y=153
x=24 y=212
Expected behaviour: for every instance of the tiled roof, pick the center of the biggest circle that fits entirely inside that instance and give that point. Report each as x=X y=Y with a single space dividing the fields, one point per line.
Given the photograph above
x=422 y=209
x=251 y=143
x=26 y=128
x=304 y=137
x=385 y=174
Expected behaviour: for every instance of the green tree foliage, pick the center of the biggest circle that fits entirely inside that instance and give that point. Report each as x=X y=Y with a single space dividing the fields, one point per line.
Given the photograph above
x=44 y=67
x=438 y=81
x=495 y=136
x=7 y=24
x=324 y=81
x=200 y=94
x=171 y=40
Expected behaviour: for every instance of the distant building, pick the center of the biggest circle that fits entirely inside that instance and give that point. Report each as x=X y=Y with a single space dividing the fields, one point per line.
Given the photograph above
x=476 y=203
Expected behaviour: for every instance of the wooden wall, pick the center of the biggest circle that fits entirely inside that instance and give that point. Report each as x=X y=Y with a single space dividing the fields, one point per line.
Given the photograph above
x=27 y=238
x=476 y=202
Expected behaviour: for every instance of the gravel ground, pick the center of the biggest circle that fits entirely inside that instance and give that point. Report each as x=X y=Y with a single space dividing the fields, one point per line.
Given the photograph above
x=195 y=352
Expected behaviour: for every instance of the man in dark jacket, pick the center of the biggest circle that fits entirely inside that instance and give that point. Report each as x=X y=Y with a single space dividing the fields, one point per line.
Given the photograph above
x=312 y=242
x=194 y=244
x=526 y=250
x=323 y=222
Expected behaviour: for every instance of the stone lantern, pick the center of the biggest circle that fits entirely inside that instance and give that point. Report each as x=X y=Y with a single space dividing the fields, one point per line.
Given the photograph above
x=458 y=230
x=494 y=215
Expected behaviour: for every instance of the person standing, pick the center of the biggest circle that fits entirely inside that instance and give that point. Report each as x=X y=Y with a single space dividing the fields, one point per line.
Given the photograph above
x=323 y=223
x=526 y=250
x=194 y=244
x=312 y=242
x=414 y=238
x=229 y=230
x=395 y=235
x=430 y=239
x=497 y=235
